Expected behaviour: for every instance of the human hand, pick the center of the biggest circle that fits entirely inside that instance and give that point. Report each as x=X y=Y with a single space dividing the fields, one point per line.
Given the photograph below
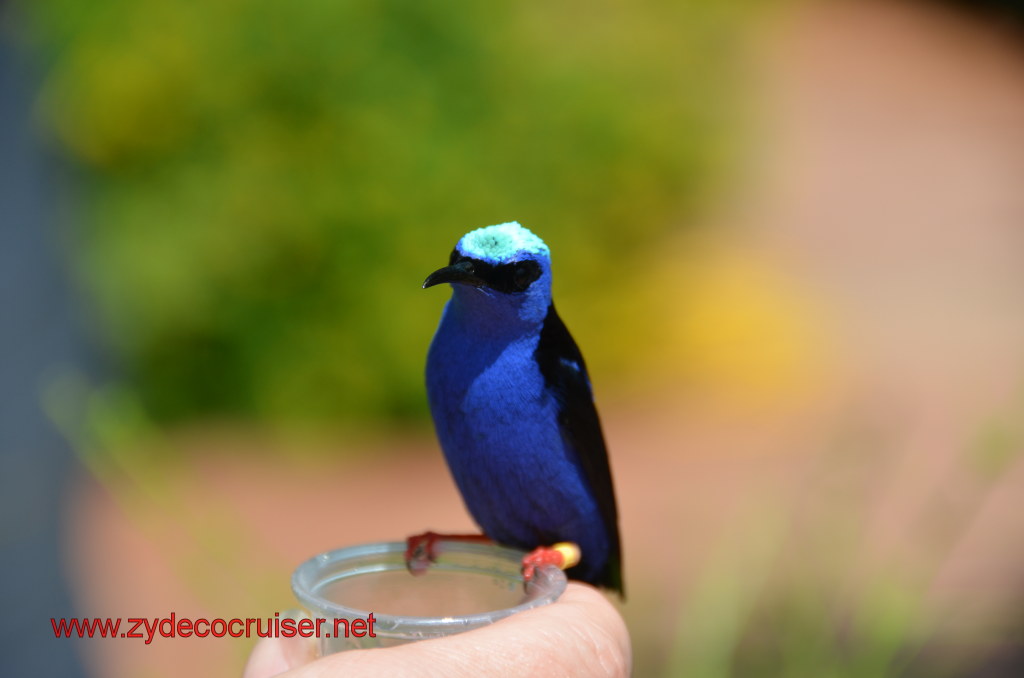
x=581 y=634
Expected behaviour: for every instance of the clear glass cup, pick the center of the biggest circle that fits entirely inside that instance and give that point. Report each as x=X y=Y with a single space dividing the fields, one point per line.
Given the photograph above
x=368 y=598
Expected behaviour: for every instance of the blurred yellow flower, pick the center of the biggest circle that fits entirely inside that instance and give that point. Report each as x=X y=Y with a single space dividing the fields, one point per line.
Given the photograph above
x=747 y=332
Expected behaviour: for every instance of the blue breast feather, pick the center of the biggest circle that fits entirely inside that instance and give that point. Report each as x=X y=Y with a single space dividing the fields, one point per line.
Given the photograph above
x=498 y=425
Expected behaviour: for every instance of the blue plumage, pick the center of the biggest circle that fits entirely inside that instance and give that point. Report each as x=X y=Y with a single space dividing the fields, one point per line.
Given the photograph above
x=512 y=405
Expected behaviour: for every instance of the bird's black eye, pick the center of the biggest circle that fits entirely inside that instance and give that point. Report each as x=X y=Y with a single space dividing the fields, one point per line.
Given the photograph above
x=524 y=274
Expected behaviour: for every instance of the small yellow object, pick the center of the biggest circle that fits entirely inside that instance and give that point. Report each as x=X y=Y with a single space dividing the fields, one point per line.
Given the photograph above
x=570 y=553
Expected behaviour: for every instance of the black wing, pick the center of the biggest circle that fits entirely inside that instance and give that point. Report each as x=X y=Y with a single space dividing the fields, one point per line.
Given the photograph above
x=565 y=373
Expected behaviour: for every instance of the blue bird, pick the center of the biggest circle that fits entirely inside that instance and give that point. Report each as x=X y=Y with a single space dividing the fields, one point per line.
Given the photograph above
x=513 y=407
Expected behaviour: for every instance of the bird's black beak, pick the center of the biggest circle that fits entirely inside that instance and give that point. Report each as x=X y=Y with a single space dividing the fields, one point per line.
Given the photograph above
x=461 y=272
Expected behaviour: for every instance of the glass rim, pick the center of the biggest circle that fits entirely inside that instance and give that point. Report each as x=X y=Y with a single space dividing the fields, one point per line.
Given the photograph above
x=549 y=580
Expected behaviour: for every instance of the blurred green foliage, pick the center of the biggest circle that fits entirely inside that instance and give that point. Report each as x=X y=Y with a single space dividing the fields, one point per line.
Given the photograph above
x=264 y=184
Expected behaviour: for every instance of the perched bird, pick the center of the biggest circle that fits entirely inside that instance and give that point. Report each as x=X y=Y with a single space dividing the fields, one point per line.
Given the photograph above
x=513 y=407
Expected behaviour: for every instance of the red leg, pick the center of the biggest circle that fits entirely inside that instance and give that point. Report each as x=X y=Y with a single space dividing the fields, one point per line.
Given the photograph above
x=421 y=549
x=562 y=555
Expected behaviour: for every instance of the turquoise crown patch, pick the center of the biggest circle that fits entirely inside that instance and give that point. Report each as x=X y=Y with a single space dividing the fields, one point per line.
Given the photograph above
x=501 y=242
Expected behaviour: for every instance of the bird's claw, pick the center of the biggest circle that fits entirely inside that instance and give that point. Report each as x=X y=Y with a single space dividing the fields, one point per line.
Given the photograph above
x=421 y=549
x=420 y=552
x=562 y=555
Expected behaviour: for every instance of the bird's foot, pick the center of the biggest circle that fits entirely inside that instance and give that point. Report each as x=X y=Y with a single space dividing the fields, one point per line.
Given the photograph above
x=562 y=555
x=421 y=549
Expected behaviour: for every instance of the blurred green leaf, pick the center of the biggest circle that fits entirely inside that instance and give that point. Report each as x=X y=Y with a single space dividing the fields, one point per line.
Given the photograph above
x=267 y=183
